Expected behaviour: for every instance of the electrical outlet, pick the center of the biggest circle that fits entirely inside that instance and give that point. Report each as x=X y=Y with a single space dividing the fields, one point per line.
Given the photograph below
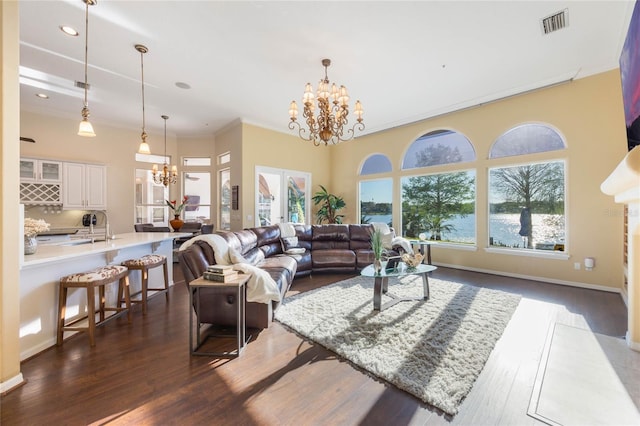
x=576 y=266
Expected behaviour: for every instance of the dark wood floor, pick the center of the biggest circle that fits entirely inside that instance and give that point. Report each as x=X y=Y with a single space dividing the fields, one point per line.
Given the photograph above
x=143 y=374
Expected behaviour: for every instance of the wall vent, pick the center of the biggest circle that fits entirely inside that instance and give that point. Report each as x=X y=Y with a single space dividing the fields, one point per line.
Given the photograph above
x=81 y=85
x=555 y=22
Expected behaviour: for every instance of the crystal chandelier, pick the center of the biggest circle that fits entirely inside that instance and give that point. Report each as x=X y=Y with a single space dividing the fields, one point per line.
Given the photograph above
x=85 y=128
x=165 y=177
x=144 y=146
x=333 y=108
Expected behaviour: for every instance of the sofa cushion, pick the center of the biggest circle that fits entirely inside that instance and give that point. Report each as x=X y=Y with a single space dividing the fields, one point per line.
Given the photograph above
x=360 y=236
x=333 y=258
x=328 y=237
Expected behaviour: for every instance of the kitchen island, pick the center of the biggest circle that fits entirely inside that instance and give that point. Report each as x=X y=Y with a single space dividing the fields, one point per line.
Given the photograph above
x=40 y=274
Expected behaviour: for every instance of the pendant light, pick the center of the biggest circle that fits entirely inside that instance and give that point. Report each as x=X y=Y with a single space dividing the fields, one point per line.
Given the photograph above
x=85 y=128
x=144 y=146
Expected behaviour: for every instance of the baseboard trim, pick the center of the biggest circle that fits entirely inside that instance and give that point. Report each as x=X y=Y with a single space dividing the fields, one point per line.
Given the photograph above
x=12 y=383
x=534 y=278
x=632 y=345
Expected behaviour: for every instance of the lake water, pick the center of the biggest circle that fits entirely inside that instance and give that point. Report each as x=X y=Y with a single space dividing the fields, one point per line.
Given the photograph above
x=503 y=228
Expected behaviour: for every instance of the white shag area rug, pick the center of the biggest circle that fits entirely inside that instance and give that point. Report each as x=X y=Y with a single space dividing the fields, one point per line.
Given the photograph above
x=432 y=349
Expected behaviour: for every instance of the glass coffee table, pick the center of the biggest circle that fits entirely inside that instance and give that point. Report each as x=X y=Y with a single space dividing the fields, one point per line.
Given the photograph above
x=381 y=283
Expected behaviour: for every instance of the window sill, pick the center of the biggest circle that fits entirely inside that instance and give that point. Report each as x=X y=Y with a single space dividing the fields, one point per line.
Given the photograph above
x=556 y=255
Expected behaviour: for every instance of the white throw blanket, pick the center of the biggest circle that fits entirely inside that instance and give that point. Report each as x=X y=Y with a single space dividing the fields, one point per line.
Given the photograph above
x=389 y=239
x=287 y=229
x=261 y=287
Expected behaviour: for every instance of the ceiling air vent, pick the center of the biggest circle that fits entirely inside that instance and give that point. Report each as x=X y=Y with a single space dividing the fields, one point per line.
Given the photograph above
x=81 y=85
x=555 y=22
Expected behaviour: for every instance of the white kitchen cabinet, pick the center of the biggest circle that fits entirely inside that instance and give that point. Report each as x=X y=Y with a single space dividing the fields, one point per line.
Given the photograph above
x=84 y=186
x=40 y=171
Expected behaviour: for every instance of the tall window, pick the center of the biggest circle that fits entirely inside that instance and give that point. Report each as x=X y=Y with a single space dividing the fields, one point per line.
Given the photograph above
x=150 y=200
x=439 y=205
x=527 y=201
x=225 y=200
x=442 y=206
x=197 y=188
x=376 y=198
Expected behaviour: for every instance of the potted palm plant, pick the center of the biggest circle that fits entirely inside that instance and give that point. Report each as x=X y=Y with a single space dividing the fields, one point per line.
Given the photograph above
x=329 y=206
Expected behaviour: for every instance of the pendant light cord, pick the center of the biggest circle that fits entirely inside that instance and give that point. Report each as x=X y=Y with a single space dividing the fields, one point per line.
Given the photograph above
x=142 y=69
x=86 y=51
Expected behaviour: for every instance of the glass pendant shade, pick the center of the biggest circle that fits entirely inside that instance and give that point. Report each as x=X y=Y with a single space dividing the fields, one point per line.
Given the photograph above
x=86 y=129
x=144 y=148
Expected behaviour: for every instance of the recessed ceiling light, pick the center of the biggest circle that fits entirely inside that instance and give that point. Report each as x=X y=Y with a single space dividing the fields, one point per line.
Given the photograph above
x=68 y=30
x=183 y=85
x=42 y=96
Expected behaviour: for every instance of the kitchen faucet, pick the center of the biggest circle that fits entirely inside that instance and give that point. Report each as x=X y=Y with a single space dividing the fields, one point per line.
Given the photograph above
x=106 y=224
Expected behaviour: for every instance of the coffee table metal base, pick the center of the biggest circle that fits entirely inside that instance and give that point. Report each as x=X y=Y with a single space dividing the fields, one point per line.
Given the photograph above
x=381 y=283
x=380 y=287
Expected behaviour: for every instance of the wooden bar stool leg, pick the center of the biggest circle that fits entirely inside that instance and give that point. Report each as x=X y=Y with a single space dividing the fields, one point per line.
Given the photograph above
x=91 y=308
x=101 y=301
x=145 y=283
x=165 y=269
x=62 y=309
x=127 y=295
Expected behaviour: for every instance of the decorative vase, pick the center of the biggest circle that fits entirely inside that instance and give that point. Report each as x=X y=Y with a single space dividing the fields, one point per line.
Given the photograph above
x=377 y=265
x=176 y=223
x=30 y=244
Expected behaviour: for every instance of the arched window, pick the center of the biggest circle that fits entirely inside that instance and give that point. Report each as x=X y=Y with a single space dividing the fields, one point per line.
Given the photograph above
x=376 y=163
x=526 y=139
x=437 y=148
x=439 y=206
x=526 y=200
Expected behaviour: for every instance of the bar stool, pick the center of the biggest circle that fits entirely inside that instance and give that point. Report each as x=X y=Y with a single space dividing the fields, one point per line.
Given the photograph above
x=89 y=280
x=143 y=264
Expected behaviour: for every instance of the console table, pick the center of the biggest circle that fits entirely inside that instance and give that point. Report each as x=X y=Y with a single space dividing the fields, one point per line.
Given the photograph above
x=421 y=245
x=381 y=283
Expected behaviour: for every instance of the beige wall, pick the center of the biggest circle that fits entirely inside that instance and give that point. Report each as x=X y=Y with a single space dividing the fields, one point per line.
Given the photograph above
x=587 y=112
x=9 y=218
x=230 y=140
x=56 y=138
x=268 y=148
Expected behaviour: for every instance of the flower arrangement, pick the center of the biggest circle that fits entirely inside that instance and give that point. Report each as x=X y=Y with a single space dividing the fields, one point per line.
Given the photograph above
x=177 y=209
x=33 y=227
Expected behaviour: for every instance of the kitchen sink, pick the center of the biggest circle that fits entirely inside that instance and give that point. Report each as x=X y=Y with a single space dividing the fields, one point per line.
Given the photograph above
x=79 y=241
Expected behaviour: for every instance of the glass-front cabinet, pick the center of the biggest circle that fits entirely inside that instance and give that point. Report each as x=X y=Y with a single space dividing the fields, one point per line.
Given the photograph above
x=34 y=170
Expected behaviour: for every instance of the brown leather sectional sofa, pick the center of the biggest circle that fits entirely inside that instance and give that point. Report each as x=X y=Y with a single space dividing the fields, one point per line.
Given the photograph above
x=327 y=248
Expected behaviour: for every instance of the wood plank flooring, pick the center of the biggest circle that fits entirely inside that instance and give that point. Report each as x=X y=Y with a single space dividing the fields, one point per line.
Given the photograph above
x=143 y=374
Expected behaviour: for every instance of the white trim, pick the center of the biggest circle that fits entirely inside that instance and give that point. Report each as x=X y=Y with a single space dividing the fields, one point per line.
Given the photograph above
x=633 y=345
x=534 y=278
x=6 y=386
x=454 y=246
x=544 y=254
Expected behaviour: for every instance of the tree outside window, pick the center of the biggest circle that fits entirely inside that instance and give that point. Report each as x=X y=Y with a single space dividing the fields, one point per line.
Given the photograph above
x=527 y=206
x=439 y=205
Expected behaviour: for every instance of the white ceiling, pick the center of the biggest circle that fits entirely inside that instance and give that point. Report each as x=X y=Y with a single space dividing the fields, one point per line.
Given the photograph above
x=405 y=61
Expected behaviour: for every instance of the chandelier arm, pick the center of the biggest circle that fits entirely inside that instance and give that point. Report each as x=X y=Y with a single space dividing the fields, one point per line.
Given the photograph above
x=293 y=125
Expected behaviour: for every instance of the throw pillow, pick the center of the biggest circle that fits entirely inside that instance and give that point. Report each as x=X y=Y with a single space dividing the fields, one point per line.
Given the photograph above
x=289 y=243
x=387 y=241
